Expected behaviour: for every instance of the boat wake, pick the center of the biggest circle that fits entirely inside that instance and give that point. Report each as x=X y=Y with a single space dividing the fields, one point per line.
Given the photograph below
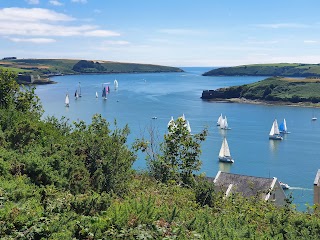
x=300 y=188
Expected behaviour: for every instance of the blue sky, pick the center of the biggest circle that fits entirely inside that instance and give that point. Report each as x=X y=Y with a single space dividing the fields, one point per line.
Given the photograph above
x=166 y=32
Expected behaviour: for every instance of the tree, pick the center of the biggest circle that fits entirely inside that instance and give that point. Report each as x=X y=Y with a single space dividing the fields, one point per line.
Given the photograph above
x=179 y=153
x=8 y=88
x=105 y=154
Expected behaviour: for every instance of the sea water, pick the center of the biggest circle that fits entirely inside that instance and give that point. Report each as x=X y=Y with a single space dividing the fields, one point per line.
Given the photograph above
x=145 y=101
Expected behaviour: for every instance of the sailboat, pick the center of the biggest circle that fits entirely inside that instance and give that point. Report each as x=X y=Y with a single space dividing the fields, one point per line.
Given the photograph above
x=67 y=101
x=96 y=94
x=274 y=132
x=283 y=127
x=104 y=93
x=224 y=154
x=76 y=94
x=224 y=124
x=219 y=120
x=115 y=84
x=171 y=122
x=188 y=126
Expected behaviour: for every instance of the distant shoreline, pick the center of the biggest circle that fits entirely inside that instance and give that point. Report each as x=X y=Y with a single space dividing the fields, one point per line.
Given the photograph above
x=262 y=102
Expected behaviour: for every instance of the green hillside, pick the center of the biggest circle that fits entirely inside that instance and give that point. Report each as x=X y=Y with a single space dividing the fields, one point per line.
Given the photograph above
x=272 y=89
x=279 y=69
x=51 y=67
x=76 y=181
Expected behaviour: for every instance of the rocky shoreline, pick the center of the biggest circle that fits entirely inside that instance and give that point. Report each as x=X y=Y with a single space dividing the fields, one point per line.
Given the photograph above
x=262 y=102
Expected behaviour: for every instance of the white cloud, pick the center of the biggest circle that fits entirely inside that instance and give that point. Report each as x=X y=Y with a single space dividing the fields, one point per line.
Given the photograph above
x=120 y=42
x=33 y=1
x=55 y=3
x=180 y=31
x=32 y=15
x=43 y=22
x=263 y=42
x=79 y=1
x=282 y=25
x=310 y=41
x=101 y=33
x=33 y=40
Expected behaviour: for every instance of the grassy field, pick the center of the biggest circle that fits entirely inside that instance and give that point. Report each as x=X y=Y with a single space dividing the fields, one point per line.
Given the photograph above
x=49 y=67
x=278 y=69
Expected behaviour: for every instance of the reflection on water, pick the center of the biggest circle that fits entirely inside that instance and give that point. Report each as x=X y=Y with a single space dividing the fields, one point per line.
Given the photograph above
x=224 y=167
x=273 y=145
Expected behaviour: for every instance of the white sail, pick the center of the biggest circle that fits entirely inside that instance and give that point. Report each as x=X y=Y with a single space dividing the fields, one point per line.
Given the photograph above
x=183 y=117
x=96 y=94
x=274 y=129
x=188 y=126
x=285 y=125
x=224 y=150
x=219 y=120
x=225 y=122
x=171 y=122
x=115 y=84
x=67 y=101
x=222 y=123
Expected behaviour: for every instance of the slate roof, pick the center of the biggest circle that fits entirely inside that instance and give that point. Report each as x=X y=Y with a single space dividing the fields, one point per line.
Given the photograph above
x=317 y=178
x=248 y=186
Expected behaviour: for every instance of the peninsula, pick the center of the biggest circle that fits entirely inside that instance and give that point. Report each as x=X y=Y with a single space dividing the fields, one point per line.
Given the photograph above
x=276 y=69
x=273 y=90
x=39 y=71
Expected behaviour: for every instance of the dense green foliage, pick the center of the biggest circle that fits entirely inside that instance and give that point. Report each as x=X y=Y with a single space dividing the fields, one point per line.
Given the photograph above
x=179 y=154
x=48 y=67
x=84 y=66
x=274 y=89
x=75 y=181
x=280 y=69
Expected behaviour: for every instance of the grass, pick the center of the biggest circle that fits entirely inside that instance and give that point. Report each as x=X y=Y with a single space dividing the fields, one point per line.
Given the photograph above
x=65 y=66
x=276 y=69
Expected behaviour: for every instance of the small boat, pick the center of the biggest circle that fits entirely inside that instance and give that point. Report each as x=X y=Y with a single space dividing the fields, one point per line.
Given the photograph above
x=154 y=117
x=224 y=154
x=115 y=84
x=67 y=101
x=284 y=185
x=224 y=124
x=274 y=132
x=219 y=120
x=283 y=127
x=96 y=94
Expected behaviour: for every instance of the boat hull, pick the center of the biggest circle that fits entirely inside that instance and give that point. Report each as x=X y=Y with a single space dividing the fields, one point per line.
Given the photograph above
x=275 y=137
x=226 y=159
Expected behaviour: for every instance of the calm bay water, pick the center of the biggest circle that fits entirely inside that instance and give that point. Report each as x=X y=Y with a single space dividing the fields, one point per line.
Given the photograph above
x=294 y=160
